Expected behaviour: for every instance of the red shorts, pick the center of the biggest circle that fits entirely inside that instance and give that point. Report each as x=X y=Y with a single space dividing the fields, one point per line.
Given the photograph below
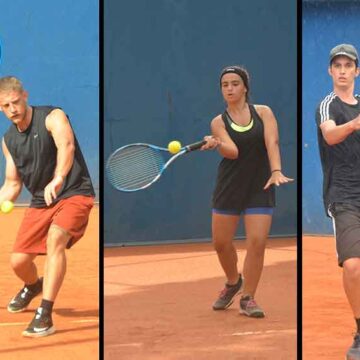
x=70 y=214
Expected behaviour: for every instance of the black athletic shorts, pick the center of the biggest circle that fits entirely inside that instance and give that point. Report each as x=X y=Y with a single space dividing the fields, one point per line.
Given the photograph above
x=346 y=221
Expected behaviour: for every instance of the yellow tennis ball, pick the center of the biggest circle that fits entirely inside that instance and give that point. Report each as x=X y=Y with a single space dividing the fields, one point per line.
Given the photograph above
x=7 y=206
x=174 y=147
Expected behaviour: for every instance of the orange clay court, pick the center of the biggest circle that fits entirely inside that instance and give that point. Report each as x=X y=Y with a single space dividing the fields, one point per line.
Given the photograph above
x=158 y=305
x=76 y=309
x=328 y=324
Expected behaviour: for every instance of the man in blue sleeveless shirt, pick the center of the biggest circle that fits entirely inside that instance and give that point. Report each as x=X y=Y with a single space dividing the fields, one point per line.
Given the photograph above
x=42 y=153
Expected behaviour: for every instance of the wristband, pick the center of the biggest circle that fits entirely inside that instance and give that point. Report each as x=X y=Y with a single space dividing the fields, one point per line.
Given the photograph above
x=275 y=170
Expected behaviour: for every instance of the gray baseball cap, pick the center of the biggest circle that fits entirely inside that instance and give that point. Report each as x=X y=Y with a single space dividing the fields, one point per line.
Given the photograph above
x=345 y=50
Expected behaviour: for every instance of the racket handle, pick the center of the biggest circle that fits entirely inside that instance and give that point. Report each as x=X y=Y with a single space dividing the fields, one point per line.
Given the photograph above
x=195 y=146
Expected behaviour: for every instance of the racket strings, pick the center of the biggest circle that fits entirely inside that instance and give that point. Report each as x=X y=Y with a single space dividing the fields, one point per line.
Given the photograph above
x=134 y=167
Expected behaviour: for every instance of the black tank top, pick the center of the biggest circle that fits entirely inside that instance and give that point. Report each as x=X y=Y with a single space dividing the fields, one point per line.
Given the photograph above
x=240 y=182
x=34 y=154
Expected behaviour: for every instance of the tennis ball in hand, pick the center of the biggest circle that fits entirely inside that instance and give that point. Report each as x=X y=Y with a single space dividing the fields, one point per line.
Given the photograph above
x=7 y=206
x=174 y=147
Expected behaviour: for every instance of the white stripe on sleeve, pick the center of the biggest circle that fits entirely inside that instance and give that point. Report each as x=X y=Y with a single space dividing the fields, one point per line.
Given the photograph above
x=324 y=107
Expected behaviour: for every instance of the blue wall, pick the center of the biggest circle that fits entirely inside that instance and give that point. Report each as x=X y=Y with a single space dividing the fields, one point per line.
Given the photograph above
x=53 y=47
x=162 y=61
x=325 y=24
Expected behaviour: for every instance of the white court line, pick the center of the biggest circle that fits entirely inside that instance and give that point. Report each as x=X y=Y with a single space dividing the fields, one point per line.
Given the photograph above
x=247 y=333
x=84 y=321
x=13 y=324
x=26 y=323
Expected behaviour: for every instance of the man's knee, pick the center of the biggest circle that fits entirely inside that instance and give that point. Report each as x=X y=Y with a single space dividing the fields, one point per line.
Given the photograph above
x=352 y=268
x=19 y=261
x=57 y=239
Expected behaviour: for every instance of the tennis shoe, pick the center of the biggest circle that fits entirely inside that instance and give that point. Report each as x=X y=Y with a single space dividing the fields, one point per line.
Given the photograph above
x=249 y=307
x=23 y=298
x=41 y=325
x=354 y=352
x=227 y=295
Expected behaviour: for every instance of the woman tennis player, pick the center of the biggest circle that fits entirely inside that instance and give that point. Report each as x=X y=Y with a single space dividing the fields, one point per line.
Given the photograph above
x=246 y=135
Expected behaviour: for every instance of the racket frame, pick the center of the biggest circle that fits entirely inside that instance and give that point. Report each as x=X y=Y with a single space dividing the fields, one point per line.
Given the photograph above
x=184 y=150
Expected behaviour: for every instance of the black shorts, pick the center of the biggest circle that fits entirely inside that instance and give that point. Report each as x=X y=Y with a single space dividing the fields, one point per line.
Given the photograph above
x=346 y=221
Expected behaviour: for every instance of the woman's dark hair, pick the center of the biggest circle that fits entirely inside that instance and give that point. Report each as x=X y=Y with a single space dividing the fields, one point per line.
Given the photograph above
x=242 y=72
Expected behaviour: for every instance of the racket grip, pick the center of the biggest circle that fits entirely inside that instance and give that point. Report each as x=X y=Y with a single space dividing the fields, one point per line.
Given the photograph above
x=195 y=146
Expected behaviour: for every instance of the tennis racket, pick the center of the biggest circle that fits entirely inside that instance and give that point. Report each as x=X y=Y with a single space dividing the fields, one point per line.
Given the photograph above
x=137 y=166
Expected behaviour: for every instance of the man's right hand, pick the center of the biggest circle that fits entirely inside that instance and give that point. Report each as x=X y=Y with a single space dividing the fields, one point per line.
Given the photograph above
x=356 y=123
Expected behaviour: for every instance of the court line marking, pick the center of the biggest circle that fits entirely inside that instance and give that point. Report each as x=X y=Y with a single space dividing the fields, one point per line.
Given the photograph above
x=85 y=321
x=124 y=345
x=265 y=332
x=26 y=323
x=245 y=333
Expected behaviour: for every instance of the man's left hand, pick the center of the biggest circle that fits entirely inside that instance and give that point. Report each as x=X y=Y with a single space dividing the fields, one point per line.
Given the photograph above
x=51 y=189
